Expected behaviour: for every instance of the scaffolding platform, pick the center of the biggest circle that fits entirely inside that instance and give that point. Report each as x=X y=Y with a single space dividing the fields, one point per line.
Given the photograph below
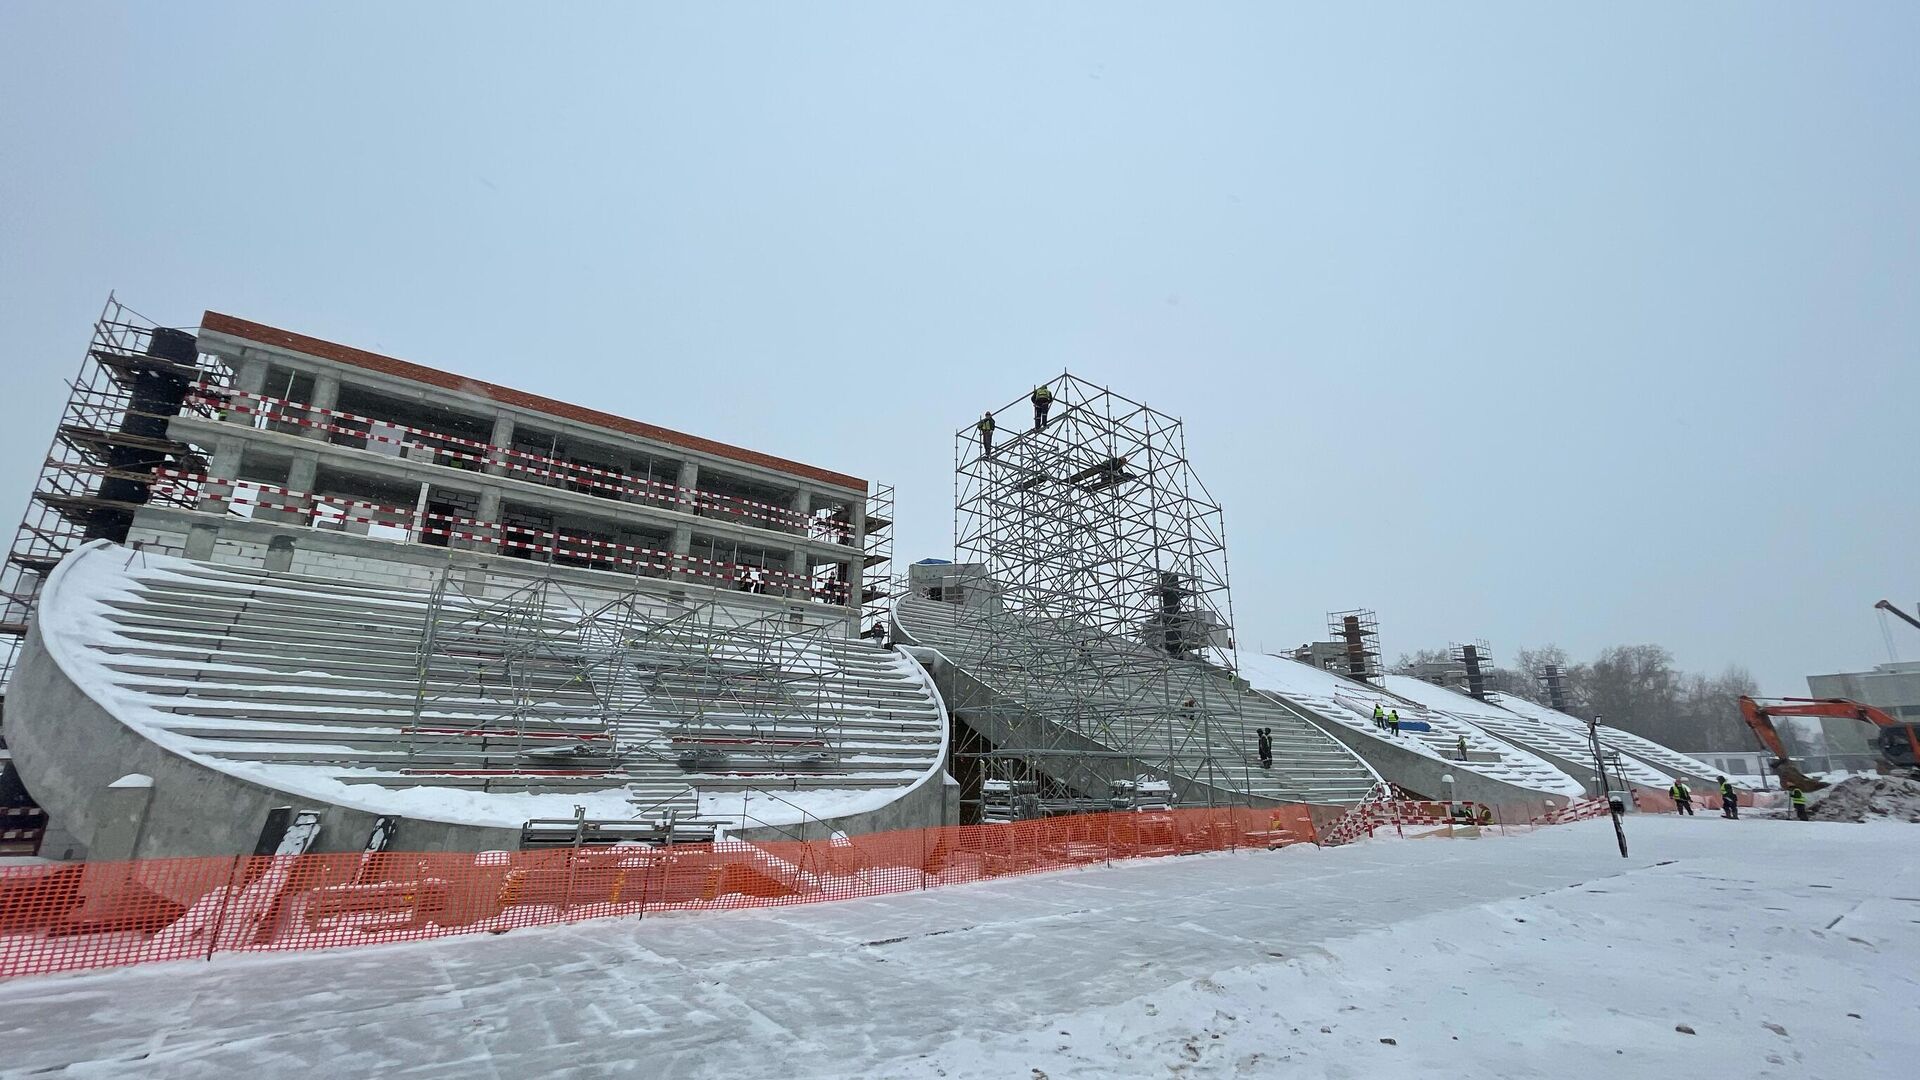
x=100 y=464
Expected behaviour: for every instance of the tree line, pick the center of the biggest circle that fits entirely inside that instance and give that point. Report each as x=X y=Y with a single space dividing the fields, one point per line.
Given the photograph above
x=1634 y=687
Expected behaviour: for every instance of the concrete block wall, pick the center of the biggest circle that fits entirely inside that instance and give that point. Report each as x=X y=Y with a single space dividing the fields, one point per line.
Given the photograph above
x=163 y=541
x=382 y=572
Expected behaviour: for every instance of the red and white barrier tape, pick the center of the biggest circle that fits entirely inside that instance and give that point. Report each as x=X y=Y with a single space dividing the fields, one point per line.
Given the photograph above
x=556 y=543
x=490 y=455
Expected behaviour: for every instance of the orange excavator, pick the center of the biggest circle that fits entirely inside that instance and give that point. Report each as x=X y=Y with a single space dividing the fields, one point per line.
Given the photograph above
x=1898 y=742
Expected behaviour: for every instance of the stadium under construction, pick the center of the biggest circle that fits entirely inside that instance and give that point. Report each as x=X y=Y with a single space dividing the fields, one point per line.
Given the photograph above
x=277 y=593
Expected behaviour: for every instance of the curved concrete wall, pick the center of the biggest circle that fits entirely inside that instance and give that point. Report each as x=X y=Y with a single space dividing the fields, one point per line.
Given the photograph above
x=68 y=748
x=934 y=799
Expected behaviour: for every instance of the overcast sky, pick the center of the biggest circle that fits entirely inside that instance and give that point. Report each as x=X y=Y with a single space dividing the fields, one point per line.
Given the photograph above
x=1509 y=321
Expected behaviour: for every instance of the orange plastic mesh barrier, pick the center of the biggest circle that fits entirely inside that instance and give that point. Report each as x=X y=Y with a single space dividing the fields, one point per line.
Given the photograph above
x=83 y=915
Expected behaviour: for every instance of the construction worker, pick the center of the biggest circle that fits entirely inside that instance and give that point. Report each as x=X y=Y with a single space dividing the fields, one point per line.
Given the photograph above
x=1682 y=797
x=1729 y=801
x=1799 y=799
x=1393 y=722
x=1042 y=401
x=1463 y=748
x=985 y=428
x=1379 y=717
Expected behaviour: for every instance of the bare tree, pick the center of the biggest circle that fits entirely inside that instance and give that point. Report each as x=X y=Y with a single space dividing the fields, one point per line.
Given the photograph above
x=1410 y=663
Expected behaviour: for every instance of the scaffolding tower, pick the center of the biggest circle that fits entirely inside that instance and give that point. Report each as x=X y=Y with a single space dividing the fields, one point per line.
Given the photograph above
x=1358 y=632
x=877 y=559
x=1553 y=680
x=99 y=469
x=1475 y=660
x=1096 y=572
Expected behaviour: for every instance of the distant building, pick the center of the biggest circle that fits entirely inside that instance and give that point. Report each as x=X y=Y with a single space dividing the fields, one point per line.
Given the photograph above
x=1894 y=688
x=1742 y=763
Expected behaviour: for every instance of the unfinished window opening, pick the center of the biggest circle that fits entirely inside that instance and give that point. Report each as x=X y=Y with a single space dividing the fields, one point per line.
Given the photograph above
x=832 y=523
x=364 y=505
x=256 y=490
x=651 y=559
x=760 y=505
x=526 y=529
x=417 y=430
x=448 y=512
x=289 y=414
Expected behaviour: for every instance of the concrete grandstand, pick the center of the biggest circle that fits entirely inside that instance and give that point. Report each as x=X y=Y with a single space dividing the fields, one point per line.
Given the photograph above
x=271 y=586
x=264 y=571
x=1492 y=771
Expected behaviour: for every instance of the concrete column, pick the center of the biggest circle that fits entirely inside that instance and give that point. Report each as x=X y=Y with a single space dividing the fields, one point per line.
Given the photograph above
x=224 y=464
x=123 y=817
x=200 y=540
x=803 y=505
x=279 y=554
x=689 y=483
x=300 y=477
x=681 y=545
x=797 y=566
x=326 y=395
x=857 y=566
x=489 y=512
x=249 y=381
x=502 y=438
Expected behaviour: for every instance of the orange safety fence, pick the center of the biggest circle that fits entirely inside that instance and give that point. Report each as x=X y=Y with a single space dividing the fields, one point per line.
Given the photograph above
x=69 y=916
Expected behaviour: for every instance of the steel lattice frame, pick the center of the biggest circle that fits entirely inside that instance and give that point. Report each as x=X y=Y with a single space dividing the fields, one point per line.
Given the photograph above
x=1108 y=636
x=78 y=462
x=660 y=673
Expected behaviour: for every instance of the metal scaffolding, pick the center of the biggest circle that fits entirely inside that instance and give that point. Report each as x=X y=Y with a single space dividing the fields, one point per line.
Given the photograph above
x=1093 y=582
x=877 y=559
x=567 y=676
x=99 y=469
x=1475 y=660
x=1358 y=632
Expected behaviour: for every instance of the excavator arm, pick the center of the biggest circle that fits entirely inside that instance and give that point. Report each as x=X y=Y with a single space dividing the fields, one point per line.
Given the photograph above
x=1760 y=716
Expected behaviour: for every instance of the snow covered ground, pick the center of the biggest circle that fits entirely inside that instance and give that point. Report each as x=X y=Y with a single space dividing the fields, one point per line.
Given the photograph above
x=1747 y=949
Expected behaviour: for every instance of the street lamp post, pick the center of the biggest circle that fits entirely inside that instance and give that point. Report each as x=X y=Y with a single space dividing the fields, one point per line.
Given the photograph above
x=1615 y=806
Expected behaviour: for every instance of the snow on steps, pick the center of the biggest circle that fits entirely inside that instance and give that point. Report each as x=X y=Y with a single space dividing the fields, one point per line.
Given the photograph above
x=311 y=686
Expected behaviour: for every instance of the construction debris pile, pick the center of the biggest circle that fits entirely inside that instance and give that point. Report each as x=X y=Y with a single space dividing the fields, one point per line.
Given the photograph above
x=1871 y=798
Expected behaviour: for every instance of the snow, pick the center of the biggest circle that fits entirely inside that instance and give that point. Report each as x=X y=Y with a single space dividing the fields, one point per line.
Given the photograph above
x=75 y=619
x=1866 y=798
x=1520 y=728
x=1338 y=699
x=1786 y=947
